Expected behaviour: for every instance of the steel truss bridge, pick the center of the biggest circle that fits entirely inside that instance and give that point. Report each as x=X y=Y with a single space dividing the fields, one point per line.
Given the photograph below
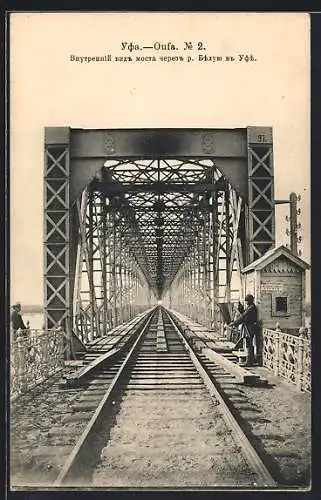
x=135 y=216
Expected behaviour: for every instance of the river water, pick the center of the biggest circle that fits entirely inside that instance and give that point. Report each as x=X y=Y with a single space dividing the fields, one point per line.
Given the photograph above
x=36 y=320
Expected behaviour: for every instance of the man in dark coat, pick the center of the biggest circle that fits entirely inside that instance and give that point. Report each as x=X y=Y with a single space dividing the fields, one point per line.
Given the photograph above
x=249 y=320
x=17 y=321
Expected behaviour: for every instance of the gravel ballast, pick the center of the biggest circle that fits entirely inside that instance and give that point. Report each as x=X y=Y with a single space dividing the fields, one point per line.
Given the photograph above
x=168 y=439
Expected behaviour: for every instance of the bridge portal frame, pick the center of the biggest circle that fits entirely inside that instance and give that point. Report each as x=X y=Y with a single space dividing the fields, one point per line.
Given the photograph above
x=73 y=157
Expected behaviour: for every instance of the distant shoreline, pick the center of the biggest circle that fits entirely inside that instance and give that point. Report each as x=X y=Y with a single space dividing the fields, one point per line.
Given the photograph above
x=31 y=309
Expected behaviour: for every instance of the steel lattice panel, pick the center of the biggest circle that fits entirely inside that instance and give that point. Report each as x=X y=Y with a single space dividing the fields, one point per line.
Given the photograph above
x=56 y=229
x=165 y=212
x=261 y=212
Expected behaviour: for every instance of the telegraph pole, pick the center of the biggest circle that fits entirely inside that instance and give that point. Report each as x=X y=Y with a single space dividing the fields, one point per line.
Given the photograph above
x=293 y=220
x=293 y=223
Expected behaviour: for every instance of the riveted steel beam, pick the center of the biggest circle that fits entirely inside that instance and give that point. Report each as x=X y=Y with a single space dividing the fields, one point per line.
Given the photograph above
x=165 y=208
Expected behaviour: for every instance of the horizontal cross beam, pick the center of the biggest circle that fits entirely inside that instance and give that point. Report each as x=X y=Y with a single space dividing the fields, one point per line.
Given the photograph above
x=154 y=187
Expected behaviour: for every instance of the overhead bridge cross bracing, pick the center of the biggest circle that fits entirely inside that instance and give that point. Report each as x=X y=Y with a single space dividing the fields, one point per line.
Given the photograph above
x=140 y=215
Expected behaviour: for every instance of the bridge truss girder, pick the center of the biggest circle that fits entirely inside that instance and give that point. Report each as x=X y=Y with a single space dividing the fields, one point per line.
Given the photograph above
x=110 y=287
x=132 y=216
x=210 y=273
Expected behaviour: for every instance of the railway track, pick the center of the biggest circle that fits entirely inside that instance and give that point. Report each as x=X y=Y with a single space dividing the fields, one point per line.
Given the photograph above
x=156 y=416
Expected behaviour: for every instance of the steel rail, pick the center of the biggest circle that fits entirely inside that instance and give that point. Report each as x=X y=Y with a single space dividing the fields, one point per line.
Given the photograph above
x=253 y=459
x=263 y=477
x=67 y=469
x=118 y=347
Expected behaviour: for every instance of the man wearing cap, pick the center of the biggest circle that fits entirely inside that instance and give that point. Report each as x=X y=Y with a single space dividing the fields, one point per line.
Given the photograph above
x=249 y=320
x=16 y=319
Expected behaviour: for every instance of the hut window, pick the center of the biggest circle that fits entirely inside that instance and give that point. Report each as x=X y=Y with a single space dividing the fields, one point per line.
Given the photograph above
x=281 y=304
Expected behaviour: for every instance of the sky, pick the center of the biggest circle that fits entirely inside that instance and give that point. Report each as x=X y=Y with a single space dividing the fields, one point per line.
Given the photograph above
x=48 y=88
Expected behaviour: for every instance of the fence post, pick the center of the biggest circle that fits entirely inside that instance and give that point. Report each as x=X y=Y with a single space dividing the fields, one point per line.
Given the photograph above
x=277 y=350
x=299 y=373
x=259 y=341
x=21 y=369
x=66 y=343
x=44 y=341
x=59 y=339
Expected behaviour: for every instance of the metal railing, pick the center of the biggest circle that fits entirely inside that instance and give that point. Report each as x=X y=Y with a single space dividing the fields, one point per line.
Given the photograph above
x=83 y=325
x=289 y=356
x=232 y=334
x=35 y=355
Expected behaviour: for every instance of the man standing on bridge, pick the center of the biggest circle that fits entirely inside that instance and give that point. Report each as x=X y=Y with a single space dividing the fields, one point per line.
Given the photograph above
x=249 y=320
x=17 y=321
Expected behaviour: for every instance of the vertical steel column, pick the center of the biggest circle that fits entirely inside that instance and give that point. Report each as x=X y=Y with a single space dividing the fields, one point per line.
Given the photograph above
x=90 y=268
x=213 y=251
x=124 y=282
x=187 y=304
x=261 y=212
x=113 y=269
x=129 y=285
x=108 y=265
x=221 y=243
x=132 y=289
x=97 y=261
x=215 y=229
x=207 y=264
x=192 y=283
x=80 y=319
x=104 y=295
x=136 y=291
x=227 y=246
x=57 y=293
x=118 y=270
x=131 y=261
x=188 y=300
x=203 y=314
x=236 y=260
x=220 y=255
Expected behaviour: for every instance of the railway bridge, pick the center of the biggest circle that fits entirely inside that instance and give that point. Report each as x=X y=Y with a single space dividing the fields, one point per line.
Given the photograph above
x=152 y=237
x=134 y=217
